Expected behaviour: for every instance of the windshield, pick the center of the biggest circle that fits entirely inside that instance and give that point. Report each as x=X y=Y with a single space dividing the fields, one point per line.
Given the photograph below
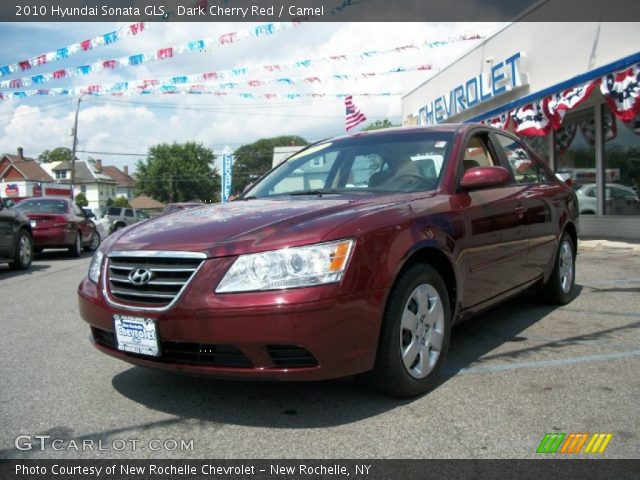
x=401 y=162
x=42 y=206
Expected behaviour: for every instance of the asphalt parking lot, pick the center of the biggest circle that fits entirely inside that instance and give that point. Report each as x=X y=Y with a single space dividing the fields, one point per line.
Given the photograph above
x=514 y=373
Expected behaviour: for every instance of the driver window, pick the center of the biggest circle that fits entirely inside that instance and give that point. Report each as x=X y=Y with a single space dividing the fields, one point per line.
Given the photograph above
x=477 y=154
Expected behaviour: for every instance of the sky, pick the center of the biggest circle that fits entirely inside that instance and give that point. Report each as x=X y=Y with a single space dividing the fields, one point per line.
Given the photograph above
x=123 y=128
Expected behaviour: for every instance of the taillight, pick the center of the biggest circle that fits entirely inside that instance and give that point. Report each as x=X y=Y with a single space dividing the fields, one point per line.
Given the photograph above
x=61 y=221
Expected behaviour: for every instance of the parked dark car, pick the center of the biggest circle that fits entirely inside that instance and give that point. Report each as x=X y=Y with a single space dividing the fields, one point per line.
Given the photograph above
x=58 y=222
x=16 y=239
x=354 y=257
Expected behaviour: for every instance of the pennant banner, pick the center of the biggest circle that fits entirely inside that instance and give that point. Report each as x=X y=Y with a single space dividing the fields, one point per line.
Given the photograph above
x=205 y=44
x=65 y=52
x=201 y=90
x=193 y=82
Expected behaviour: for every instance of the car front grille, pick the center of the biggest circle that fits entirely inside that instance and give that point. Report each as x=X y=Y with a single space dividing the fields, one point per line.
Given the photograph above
x=151 y=278
x=183 y=352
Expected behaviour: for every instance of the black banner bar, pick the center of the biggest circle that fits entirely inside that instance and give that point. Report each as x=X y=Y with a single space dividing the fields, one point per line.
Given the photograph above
x=320 y=469
x=317 y=10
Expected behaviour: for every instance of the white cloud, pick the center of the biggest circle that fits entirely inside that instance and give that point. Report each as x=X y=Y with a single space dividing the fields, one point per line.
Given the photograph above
x=132 y=123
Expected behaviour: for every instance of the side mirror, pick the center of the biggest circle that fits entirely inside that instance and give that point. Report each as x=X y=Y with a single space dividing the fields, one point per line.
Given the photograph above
x=485 y=177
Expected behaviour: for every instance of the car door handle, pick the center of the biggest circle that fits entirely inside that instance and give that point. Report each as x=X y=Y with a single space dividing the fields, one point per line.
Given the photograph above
x=520 y=211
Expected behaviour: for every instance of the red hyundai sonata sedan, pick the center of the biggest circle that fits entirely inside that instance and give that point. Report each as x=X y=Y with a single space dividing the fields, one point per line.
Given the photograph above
x=354 y=257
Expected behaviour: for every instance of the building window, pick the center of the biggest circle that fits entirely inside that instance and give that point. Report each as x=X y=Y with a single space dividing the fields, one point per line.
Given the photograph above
x=621 y=164
x=61 y=174
x=83 y=188
x=575 y=155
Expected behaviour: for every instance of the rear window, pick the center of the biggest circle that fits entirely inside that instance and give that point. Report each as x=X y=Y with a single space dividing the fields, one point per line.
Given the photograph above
x=42 y=206
x=114 y=211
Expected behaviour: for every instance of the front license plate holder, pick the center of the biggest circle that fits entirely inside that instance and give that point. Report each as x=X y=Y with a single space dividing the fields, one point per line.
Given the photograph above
x=137 y=335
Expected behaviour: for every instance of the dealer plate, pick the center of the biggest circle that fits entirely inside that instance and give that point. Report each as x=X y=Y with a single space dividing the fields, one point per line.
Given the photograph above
x=137 y=335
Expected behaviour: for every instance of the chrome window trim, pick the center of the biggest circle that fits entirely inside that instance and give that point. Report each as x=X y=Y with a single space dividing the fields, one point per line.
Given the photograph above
x=148 y=254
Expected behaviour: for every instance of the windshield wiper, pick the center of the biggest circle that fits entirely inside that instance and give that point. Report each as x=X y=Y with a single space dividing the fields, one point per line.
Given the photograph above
x=314 y=192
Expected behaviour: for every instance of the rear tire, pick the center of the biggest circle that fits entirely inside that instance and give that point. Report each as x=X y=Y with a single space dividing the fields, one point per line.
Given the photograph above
x=23 y=253
x=76 y=249
x=559 y=288
x=414 y=337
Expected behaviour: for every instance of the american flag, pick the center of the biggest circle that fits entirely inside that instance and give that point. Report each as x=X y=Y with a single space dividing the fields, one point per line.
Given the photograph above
x=354 y=115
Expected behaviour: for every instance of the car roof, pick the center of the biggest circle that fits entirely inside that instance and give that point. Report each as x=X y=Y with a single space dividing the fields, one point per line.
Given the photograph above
x=444 y=127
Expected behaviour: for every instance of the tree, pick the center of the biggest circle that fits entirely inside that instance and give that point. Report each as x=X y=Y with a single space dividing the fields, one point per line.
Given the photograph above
x=179 y=172
x=121 y=202
x=58 y=154
x=254 y=159
x=378 y=124
x=81 y=200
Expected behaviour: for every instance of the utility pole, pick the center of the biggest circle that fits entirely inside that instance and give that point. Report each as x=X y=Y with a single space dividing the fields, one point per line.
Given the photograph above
x=75 y=144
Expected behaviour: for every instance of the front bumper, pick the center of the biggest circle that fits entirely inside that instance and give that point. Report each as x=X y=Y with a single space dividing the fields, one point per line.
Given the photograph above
x=326 y=337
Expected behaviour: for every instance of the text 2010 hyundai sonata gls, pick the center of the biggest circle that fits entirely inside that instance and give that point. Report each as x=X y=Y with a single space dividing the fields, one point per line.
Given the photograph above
x=355 y=256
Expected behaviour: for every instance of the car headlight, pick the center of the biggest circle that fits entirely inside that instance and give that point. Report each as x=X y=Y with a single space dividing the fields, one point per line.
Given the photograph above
x=96 y=266
x=288 y=268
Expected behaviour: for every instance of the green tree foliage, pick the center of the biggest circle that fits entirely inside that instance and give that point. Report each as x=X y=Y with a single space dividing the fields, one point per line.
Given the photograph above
x=121 y=202
x=59 y=154
x=81 y=200
x=179 y=172
x=378 y=124
x=254 y=159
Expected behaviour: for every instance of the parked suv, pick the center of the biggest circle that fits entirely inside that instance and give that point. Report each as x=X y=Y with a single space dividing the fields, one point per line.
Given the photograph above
x=16 y=237
x=120 y=217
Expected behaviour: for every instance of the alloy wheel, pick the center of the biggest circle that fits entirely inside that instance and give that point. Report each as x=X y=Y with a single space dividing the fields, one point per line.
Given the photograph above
x=565 y=266
x=422 y=331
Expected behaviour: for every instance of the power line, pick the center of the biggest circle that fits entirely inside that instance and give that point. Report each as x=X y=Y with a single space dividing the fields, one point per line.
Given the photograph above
x=113 y=153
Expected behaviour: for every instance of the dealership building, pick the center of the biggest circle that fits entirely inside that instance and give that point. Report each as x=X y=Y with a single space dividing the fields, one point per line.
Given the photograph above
x=571 y=90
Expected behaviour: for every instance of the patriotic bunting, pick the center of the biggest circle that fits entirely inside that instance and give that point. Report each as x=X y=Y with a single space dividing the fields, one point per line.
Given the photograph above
x=566 y=100
x=207 y=43
x=533 y=119
x=620 y=89
x=501 y=121
x=65 y=52
x=622 y=92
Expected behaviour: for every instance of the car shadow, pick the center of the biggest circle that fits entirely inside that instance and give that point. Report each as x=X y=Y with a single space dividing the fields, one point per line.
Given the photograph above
x=6 y=273
x=275 y=404
x=472 y=340
x=58 y=254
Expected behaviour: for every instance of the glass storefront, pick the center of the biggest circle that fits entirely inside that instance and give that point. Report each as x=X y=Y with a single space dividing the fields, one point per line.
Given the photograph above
x=575 y=156
x=622 y=164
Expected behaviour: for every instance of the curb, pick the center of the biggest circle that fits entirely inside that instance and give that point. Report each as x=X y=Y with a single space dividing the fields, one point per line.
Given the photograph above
x=608 y=246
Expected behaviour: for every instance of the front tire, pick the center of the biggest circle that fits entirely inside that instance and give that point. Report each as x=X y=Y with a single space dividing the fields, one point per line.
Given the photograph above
x=414 y=337
x=95 y=242
x=559 y=288
x=76 y=249
x=23 y=253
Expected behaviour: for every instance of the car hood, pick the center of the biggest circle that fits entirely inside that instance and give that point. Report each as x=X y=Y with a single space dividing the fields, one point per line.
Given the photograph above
x=240 y=227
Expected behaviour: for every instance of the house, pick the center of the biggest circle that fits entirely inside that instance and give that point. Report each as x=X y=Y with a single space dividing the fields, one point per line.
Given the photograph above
x=97 y=186
x=126 y=184
x=147 y=204
x=22 y=177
